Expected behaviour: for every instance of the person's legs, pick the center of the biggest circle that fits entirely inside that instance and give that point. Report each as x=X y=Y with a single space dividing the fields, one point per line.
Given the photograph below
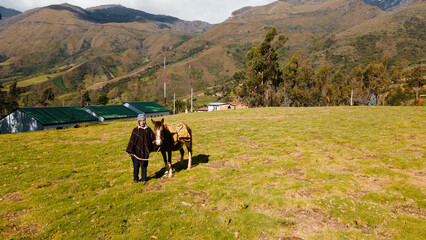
x=144 y=166
x=136 y=166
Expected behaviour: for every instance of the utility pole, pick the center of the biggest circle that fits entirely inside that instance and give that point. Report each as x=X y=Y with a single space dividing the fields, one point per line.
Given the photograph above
x=191 y=98
x=174 y=103
x=352 y=97
x=164 y=81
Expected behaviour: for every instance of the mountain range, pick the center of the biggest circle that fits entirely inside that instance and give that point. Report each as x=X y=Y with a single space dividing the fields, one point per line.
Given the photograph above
x=121 y=51
x=7 y=13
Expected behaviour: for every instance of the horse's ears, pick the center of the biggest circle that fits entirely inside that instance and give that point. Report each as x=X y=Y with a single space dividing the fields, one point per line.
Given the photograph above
x=153 y=122
x=162 y=120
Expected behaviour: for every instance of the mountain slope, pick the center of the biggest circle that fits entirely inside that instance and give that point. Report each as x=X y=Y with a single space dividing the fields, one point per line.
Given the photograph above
x=103 y=49
x=107 y=42
x=336 y=33
x=387 y=5
x=58 y=22
x=8 y=13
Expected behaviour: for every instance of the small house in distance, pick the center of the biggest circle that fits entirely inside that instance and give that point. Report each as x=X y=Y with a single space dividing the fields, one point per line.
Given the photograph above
x=38 y=118
x=203 y=109
x=151 y=109
x=215 y=106
x=110 y=112
x=225 y=106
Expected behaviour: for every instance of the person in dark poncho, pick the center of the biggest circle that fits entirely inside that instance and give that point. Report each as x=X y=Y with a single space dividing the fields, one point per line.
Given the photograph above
x=140 y=146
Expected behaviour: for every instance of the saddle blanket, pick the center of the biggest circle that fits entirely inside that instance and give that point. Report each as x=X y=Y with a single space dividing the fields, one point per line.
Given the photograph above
x=179 y=132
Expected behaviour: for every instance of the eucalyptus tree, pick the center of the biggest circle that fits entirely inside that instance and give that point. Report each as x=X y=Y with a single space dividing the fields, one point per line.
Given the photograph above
x=263 y=74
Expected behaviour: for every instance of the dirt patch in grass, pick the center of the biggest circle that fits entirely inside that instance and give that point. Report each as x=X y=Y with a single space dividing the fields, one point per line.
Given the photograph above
x=348 y=170
x=13 y=197
x=219 y=164
x=411 y=210
x=296 y=155
x=216 y=164
x=348 y=146
x=313 y=221
x=164 y=179
x=15 y=227
x=290 y=238
x=153 y=188
x=297 y=173
x=198 y=194
x=268 y=161
x=200 y=197
x=308 y=192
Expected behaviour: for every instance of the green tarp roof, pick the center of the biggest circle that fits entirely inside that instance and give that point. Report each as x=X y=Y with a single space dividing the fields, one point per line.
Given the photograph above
x=149 y=107
x=112 y=111
x=59 y=115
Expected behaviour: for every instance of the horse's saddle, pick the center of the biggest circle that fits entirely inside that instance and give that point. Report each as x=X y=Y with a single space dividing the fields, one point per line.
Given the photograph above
x=179 y=132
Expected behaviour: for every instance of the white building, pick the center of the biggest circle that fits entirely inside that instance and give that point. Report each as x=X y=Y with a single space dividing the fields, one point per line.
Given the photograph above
x=215 y=106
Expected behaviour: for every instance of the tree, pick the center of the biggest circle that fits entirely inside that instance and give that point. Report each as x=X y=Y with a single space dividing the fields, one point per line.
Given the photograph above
x=103 y=99
x=3 y=102
x=323 y=80
x=341 y=88
x=357 y=86
x=180 y=106
x=263 y=74
x=396 y=96
x=289 y=78
x=376 y=79
x=303 y=83
x=12 y=102
x=47 y=96
x=416 y=80
x=85 y=98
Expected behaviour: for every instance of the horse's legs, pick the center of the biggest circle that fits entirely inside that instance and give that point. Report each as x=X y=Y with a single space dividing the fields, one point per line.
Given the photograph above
x=181 y=154
x=170 y=164
x=189 y=148
x=165 y=161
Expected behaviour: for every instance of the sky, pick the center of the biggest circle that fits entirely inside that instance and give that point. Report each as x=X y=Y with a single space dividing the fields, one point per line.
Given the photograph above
x=212 y=11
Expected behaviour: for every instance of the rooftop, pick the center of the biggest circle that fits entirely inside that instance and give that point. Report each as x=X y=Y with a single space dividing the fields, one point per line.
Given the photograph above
x=112 y=111
x=149 y=107
x=58 y=115
x=216 y=104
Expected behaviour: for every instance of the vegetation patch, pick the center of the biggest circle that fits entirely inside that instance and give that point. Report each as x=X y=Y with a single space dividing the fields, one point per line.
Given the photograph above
x=37 y=80
x=6 y=63
x=59 y=82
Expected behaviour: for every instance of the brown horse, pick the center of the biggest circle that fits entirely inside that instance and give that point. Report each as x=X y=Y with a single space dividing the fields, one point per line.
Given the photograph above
x=164 y=139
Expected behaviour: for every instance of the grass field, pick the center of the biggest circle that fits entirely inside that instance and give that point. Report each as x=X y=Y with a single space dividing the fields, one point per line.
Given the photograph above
x=6 y=63
x=268 y=173
x=37 y=80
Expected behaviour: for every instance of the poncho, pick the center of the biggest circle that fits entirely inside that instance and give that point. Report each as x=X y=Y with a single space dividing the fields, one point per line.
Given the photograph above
x=141 y=142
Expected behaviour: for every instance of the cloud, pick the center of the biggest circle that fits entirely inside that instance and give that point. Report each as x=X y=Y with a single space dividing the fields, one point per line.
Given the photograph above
x=212 y=11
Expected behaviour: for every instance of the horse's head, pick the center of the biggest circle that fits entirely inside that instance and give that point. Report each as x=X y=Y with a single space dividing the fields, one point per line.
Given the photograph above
x=158 y=129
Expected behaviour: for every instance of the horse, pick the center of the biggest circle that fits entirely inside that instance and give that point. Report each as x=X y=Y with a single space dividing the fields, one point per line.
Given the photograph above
x=164 y=140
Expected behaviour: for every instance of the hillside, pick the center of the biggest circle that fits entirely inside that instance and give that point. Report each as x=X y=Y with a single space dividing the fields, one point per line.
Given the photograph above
x=99 y=43
x=338 y=34
x=387 y=5
x=121 y=51
x=7 y=13
x=266 y=173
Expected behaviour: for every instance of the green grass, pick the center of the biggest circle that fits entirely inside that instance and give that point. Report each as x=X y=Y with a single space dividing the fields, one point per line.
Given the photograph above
x=59 y=82
x=6 y=63
x=268 y=173
x=37 y=80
